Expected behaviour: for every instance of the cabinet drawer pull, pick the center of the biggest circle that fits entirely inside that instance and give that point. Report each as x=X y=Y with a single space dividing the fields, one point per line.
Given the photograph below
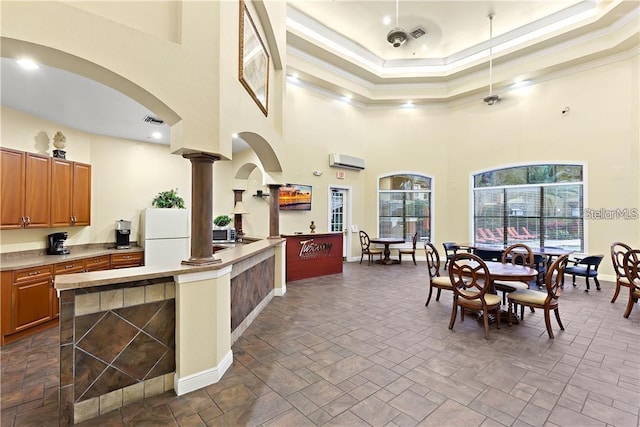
x=28 y=220
x=127 y=256
x=95 y=261
x=69 y=266
x=34 y=273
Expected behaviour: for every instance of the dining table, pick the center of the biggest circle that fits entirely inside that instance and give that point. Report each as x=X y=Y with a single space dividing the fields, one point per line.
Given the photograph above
x=507 y=272
x=387 y=242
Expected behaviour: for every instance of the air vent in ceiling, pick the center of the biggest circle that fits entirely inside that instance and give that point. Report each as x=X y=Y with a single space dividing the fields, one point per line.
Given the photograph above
x=417 y=32
x=153 y=120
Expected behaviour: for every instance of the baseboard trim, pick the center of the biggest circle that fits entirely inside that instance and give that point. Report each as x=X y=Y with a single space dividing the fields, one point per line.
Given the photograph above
x=204 y=378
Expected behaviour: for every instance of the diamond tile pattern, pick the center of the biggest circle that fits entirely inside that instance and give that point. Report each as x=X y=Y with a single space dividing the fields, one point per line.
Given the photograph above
x=116 y=352
x=362 y=349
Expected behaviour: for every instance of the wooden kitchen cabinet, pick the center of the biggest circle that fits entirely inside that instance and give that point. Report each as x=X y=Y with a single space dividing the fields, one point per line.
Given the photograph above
x=26 y=190
x=31 y=298
x=70 y=193
x=129 y=259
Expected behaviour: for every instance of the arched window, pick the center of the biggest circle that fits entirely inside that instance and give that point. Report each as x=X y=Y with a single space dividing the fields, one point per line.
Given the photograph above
x=404 y=206
x=539 y=205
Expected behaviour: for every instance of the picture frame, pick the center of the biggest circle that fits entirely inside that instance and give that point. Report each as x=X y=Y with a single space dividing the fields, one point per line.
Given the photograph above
x=253 y=70
x=295 y=197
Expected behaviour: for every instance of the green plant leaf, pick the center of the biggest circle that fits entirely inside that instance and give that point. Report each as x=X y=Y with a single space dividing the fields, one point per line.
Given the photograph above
x=168 y=199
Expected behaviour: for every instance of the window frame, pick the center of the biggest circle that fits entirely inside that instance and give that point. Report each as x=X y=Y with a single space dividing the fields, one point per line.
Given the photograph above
x=537 y=185
x=408 y=243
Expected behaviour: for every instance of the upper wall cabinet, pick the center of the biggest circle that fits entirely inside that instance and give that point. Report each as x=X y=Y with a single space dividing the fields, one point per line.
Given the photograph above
x=26 y=190
x=70 y=193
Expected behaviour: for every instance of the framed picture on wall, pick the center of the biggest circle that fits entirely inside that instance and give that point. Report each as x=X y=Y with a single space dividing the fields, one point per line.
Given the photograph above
x=253 y=61
x=295 y=197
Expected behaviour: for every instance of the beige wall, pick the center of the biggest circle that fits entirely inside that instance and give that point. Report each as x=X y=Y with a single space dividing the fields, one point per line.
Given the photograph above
x=126 y=176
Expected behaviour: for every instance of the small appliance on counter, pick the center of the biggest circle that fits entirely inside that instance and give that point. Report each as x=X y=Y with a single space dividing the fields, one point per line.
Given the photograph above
x=224 y=235
x=123 y=231
x=56 y=244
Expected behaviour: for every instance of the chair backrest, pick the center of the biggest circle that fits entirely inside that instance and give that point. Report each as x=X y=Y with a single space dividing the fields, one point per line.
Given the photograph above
x=518 y=254
x=553 y=279
x=415 y=240
x=488 y=254
x=433 y=260
x=469 y=276
x=618 y=251
x=592 y=260
x=632 y=267
x=365 y=242
x=450 y=248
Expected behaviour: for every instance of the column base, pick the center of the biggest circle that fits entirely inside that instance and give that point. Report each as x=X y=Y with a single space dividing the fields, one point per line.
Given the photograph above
x=201 y=261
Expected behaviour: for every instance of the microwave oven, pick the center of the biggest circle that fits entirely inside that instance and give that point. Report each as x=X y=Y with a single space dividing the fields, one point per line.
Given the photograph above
x=224 y=235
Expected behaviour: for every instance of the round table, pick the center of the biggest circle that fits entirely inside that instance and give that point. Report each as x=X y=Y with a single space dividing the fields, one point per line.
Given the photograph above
x=386 y=241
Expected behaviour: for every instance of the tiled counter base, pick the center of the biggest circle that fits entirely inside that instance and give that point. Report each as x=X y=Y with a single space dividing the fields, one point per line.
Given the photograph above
x=119 y=340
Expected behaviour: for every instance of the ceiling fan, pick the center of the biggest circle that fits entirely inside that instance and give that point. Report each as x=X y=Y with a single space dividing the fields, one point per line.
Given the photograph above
x=492 y=98
x=397 y=36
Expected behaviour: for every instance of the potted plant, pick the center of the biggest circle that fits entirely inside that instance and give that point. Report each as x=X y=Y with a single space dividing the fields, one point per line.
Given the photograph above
x=168 y=199
x=222 y=221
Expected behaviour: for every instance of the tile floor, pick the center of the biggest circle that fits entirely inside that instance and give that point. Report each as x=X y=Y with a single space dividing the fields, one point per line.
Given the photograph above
x=361 y=349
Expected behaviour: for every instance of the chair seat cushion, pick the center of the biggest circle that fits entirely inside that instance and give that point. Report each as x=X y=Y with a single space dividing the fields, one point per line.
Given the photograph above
x=624 y=281
x=526 y=296
x=443 y=282
x=580 y=271
x=491 y=299
x=373 y=251
x=510 y=286
x=407 y=251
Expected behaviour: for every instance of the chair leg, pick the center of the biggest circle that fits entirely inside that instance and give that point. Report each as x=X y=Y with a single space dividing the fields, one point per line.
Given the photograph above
x=413 y=255
x=509 y=311
x=454 y=312
x=595 y=278
x=557 y=313
x=574 y=280
x=438 y=295
x=630 y=303
x=429 y=297
x=361 y=256
x=485 y=318
x=521 y=312
x=547 y=321
x=586 y=279
x=498 y=317
x=399 y=258
x=617 y=291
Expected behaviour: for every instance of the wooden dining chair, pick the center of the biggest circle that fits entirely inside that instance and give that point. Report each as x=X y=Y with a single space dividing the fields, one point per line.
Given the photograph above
x=471 y=282
x=408 y=251
x=433 y=267
x=631 y=264
x=618 y=251
x=516 y=254
x=365 y=244
x=547 y=300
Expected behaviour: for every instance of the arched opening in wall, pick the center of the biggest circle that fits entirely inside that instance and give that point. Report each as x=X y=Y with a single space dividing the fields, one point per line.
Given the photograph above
x=81 y=94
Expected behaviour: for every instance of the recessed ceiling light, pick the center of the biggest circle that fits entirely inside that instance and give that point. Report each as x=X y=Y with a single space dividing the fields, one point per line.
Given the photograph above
x=409 y=104
x=27 y=64
x=156 y=135
x=386 y=20
x=235 y=135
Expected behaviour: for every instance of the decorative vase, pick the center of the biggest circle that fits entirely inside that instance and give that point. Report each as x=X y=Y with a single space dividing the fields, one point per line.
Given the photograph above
x=60 y=142
x=312 y=227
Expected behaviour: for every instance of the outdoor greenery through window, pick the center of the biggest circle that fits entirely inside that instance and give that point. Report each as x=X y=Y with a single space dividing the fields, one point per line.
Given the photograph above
x=404 y=203
x=539 y=205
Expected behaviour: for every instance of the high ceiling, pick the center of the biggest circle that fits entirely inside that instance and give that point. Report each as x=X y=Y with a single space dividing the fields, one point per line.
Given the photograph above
x=340 y=47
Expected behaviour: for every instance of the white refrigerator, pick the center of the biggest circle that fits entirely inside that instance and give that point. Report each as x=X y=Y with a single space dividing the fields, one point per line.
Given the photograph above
x=165 y=236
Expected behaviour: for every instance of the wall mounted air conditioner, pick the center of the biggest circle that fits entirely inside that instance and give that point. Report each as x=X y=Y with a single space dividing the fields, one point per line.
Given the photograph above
x=343 y=161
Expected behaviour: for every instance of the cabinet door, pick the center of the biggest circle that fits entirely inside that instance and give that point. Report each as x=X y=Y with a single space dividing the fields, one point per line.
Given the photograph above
x=11 y=183
x=37 y=191
x=61 y=181
x=81 y=195
x=31 y=298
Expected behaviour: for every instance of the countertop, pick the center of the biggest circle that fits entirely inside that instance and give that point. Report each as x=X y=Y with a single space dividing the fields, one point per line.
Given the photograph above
x=15 y=262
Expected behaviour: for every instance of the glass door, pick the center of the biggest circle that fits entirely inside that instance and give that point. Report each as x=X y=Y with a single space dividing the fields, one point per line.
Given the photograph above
x=338 y=215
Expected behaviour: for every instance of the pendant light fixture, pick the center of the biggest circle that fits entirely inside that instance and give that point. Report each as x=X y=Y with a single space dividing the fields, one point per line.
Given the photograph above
x=397 y=36
x=492 y=98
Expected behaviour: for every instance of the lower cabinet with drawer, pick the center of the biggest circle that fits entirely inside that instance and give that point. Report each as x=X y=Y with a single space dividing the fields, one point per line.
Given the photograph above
x=129 y=259
x=29 y=301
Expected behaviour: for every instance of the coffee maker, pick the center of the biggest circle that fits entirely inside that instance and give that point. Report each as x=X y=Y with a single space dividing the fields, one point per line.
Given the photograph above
x=56 y=244
x=123 y=231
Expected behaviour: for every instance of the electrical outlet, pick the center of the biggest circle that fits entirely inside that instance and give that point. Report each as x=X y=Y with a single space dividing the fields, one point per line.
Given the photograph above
x=354 y=228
